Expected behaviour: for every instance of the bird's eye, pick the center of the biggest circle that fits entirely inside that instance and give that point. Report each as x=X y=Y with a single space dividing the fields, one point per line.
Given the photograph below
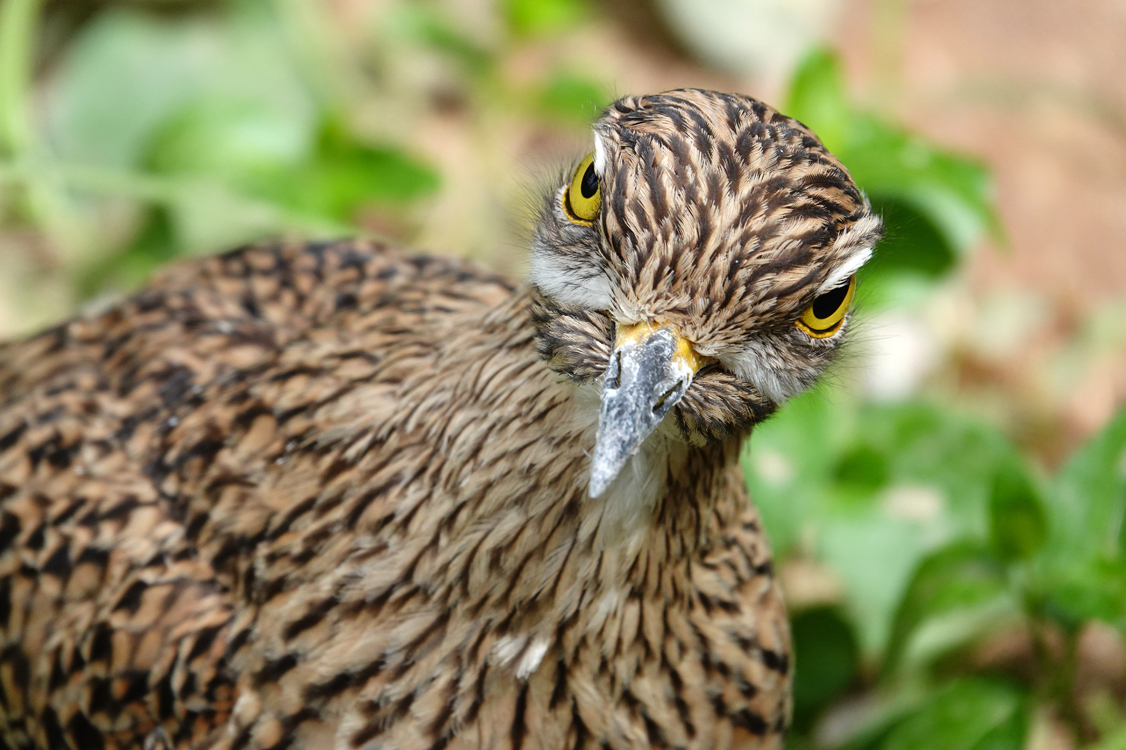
x=824 y=317
x=582 y=199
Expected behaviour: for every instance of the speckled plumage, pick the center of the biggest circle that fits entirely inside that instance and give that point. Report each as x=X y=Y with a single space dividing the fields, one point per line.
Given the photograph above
x=334 y=496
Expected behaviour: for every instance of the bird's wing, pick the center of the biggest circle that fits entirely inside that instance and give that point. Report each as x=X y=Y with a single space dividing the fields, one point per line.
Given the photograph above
x=119 y=581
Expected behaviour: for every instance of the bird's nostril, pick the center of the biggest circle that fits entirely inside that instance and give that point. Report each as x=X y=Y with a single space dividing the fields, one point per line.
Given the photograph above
x=665 y=397
x=616 y=370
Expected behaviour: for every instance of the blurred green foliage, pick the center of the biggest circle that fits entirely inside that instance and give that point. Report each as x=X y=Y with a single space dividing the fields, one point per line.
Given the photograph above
x=159 y=134
x=532 y=17
x=936 y=205
x=214 y=126
x=940 y=534
x=151 y=136
x=942 y=539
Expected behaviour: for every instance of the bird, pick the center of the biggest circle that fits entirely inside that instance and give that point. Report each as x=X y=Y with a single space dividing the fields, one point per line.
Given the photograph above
x=344 y=495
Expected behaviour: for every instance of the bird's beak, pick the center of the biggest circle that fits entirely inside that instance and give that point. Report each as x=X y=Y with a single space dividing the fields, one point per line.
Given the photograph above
x=650 y=369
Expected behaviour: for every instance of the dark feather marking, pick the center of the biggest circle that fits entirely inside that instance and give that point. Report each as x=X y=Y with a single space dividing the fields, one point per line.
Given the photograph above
x=85 y=734
x=519 y=720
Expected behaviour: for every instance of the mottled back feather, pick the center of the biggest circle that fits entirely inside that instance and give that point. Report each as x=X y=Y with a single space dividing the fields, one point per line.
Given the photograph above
x=329 y=495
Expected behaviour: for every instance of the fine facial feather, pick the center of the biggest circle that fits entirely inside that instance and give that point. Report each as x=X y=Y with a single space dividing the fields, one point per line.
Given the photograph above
x=331 y=496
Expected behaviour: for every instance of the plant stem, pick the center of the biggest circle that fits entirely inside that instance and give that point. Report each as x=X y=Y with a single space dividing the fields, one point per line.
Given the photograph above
x=18 y=22
x=41 y=201
x=1056 y=668
x=168 y=191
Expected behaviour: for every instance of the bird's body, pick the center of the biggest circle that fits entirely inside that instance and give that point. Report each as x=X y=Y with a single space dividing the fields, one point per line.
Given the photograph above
x=335 y=496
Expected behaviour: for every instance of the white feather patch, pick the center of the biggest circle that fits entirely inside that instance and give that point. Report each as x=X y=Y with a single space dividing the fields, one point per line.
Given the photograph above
x=846 y=269
x=599 y=154
x=508 y=647
x=627 y=504
x=531 y=659
x=523 y=649
x=752 y=363
x=584 y=287
x=620 y=517
x=868 y=227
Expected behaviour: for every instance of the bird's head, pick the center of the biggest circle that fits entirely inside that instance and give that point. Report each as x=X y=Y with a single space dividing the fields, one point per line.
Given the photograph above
x=700 y=263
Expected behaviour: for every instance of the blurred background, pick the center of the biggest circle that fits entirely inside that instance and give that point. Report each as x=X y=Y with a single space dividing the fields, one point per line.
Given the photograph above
x=948 y=510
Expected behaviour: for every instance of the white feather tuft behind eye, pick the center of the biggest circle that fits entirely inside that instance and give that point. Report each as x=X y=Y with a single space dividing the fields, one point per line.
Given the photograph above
x=599 y=155
x=845 y=270
x=561 y=279
x=762 y=364
x=869 y=225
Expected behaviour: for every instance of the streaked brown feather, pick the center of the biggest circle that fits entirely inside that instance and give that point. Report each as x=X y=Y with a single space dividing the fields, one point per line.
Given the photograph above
x=330 y=495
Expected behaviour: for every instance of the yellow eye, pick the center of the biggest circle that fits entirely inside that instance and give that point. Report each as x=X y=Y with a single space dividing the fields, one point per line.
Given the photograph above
x=582 y=199
x=824 y=317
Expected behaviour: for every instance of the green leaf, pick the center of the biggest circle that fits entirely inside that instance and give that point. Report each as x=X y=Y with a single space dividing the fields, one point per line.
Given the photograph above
x=128 y=74
x=932 y=446
x=229 y=138
x=826 y=660
x=1082 y=589
x=1090 y=495
x=873 y=556
x=573 y=96
x=1082 y=572
x=1018 y=525
x=788 y=463
x=912 y=243
x=541 y=17
x=344 y=176
x=960 y=577
x=870 y=490
x=208 y=216
x=117 y=83
x=952 y=191
x=936 y=204
x=969 y=714
x=346 y=179
x=818 y=99
x=206 y=101
x=864 y=468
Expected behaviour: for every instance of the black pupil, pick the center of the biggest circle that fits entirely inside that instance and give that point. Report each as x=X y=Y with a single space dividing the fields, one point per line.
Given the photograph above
x=829 y=302
x=589 y=185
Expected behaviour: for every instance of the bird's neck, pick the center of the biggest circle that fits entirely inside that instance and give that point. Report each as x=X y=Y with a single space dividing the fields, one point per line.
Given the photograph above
x=669 y=503
x=483 y=511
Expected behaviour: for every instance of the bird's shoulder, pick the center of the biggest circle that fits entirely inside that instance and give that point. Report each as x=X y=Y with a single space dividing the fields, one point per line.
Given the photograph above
x=133 y=441
x=269 y=294
x=235 y=372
